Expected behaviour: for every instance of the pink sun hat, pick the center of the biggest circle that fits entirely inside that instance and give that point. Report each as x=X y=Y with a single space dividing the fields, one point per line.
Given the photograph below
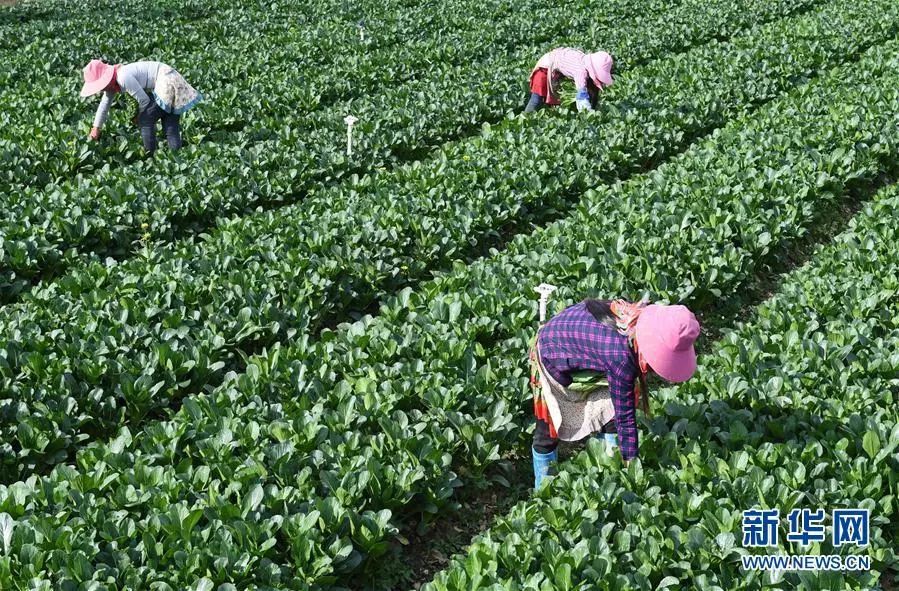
x=97 y=76
x=599 y=66
x=665 y=337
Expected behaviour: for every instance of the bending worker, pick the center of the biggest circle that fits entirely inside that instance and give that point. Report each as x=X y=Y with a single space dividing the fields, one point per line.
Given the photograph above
x=589 y=369
x=161 y=94
x=590 y=72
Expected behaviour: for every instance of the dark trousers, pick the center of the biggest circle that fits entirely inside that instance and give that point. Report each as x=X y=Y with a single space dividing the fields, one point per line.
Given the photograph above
x=171 y=124
x=535 y=102
x=544 y=443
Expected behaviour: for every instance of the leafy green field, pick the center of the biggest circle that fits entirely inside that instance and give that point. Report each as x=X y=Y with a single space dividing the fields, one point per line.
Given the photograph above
x=795 y=407
x=287 y=162
x=258 y=363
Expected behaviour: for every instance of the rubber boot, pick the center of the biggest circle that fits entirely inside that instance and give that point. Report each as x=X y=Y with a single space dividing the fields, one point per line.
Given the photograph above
x=610 y=441
x=543 y=464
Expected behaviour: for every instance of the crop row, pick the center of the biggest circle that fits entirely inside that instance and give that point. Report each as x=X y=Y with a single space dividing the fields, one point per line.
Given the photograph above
x=328 y=23
x=46 y=228
x=288 y=475
x=248 y=82
x=264 y=60
x=112 y=343
x=388 y=126
x=62 y=44
x=512 y=52
x=796 y=409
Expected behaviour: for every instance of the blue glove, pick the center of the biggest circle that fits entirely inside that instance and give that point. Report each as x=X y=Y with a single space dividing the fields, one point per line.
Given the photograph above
x=582 y=100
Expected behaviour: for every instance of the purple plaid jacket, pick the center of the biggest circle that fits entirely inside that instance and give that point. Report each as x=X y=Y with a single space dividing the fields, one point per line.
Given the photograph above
x=574 y=340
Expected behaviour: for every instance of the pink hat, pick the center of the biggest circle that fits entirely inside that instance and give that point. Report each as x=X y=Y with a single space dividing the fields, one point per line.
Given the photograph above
x=97 y=76
x=599 y=66
x=665 y=337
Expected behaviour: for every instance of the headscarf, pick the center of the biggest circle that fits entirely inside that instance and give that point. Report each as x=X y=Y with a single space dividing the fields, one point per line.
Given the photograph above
x=626 y=315
x=114 y=85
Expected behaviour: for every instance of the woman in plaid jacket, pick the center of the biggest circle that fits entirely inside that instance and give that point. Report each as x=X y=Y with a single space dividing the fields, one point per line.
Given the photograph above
x=591 y=362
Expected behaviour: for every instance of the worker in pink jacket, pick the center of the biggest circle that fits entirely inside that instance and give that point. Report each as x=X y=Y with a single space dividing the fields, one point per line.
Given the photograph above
x=590 y=72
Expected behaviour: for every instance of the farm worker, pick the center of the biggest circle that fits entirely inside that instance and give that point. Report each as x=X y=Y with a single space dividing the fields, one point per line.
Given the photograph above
x=589 y=367
x=590 y=72
x=161 y=94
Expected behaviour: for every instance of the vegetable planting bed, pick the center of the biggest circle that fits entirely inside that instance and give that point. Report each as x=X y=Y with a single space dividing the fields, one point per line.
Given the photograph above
x=254 y=363
x=796 y=408
x=47 y=227
x=115 y=343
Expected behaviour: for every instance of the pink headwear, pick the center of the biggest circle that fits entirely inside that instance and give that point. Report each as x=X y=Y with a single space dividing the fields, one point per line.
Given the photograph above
x=599 y=66
x=97 y=76
x=665 y=337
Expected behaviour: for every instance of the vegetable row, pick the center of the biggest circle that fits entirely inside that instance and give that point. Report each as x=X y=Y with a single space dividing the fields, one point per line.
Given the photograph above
x=47 y=227
x=110 y=344
x=188 y=23
x=288 y=475
x=796 y=409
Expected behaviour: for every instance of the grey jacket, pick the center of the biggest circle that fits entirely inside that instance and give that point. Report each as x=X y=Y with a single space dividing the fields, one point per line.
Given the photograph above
x=138 y=80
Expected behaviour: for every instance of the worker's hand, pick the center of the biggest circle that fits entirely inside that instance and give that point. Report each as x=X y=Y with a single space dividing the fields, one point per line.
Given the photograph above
x=94 y=134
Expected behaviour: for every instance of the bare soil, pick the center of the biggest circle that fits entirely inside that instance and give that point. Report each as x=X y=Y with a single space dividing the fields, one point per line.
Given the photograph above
x=428 y=548
x=7 y=2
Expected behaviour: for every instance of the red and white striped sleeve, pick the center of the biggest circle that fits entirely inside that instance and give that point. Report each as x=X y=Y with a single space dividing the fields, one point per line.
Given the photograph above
x=570 y=63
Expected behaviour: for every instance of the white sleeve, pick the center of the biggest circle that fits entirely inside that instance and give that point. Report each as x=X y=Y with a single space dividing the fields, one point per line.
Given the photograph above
x=103 y=109
x=132 y=86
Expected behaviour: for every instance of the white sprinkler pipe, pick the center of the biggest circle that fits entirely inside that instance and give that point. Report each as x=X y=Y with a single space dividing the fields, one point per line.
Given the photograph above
x=361 y=31
x=350 y=122
x=545 y=290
